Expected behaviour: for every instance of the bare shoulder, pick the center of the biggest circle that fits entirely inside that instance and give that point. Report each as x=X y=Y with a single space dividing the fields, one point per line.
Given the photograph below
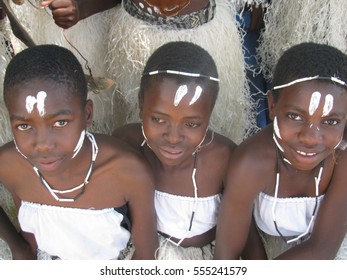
x=113 y=148
x=123 y=160
x=257 y=145
x=12 y=165
x=341 y=162
x=218 y=146
x=224 y=142
x=130 y=133
x=255 y=156
x=8 y=156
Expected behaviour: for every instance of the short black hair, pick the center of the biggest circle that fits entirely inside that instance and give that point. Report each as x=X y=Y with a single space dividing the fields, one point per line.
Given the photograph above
x=183 y=57
x=47 y=62
x=310 y=59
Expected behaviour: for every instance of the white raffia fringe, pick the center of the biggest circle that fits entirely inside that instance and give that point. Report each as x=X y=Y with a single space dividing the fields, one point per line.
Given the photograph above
x=275 y=246
x=288 y=24
x=6 y=201
x=132 y=41
x=169 y=251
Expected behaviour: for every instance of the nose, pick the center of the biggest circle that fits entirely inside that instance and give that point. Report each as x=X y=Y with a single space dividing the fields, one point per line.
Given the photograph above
x=43 y=141
x=310 y=134
x=173 y=134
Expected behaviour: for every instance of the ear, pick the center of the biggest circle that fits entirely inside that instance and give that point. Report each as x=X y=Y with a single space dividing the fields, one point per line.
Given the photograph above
x=88 y=112
x=141 y=109
x=271 y=105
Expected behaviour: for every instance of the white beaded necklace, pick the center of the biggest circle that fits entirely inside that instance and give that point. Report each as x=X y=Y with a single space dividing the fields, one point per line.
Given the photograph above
x=82 y=186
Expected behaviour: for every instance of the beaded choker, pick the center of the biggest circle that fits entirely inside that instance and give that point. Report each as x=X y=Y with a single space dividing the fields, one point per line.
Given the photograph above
x=310 y=224
x=82 y=186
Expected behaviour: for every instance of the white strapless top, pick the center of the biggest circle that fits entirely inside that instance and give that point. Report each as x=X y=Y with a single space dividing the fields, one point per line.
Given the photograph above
x=293 y=214
x=174 y=214
x=73 y=233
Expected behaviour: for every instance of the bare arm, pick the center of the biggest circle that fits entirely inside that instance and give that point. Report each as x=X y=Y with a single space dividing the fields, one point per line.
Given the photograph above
x=235 y=215
x=66 y=13
x=254 y=249
x=20 y=249
x=142 y=211
x=131 y=134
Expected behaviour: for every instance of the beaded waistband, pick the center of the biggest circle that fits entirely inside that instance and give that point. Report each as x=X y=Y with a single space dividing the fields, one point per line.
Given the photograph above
x=188 y=21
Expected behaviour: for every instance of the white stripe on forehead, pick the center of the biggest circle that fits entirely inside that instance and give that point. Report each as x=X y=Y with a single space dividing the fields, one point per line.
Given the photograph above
x=314 y=102
x=328 y=105
x=180 y=93
x=39 y=100
x=196 y=96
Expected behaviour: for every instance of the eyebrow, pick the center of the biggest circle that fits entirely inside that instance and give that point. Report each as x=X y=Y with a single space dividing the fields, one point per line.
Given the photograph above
x=47 y=116
x=168 y=115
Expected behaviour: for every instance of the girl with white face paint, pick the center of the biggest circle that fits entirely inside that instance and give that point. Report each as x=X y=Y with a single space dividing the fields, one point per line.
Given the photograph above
x=178 y=90
x=59 y=171
x=290 y=177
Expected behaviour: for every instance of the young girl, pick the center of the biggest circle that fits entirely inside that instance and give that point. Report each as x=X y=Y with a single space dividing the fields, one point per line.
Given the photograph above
x=292 y=174
x=178 y=90
x=72 y=188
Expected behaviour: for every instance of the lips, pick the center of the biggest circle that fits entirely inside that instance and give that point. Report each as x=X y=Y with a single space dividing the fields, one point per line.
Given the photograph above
x=171 y=153
x=305 y=160
x=48 y=164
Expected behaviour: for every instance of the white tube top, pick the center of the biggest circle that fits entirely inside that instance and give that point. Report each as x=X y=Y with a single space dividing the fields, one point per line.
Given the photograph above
x=174 y=214
x=293 y=214
x=73 y=233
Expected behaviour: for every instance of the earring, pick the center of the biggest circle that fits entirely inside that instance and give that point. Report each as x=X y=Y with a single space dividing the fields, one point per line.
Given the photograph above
x=144 y=136
x=200 y=146
x=15 y=143
x=145 y=141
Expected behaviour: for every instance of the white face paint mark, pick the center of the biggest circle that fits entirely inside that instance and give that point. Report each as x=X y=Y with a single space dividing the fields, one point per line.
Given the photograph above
x=156 y=10
x=328 y=104
x=314 y=103
x=39 y=100
x=149 y=10
x=338 y=144
x=286 y=160
x=79 y=143
x=180 y=93
x=141 y=5
x=196 y=96
x=277 y=144
x=277 y=133
x=276 y=128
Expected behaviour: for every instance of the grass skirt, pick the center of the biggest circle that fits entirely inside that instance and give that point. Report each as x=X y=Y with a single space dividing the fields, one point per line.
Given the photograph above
x=169 y=251
x=287 y=24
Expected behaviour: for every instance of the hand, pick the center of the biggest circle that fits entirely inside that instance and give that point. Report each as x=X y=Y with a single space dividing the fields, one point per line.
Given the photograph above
x=65 y=13
x=257 y=18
